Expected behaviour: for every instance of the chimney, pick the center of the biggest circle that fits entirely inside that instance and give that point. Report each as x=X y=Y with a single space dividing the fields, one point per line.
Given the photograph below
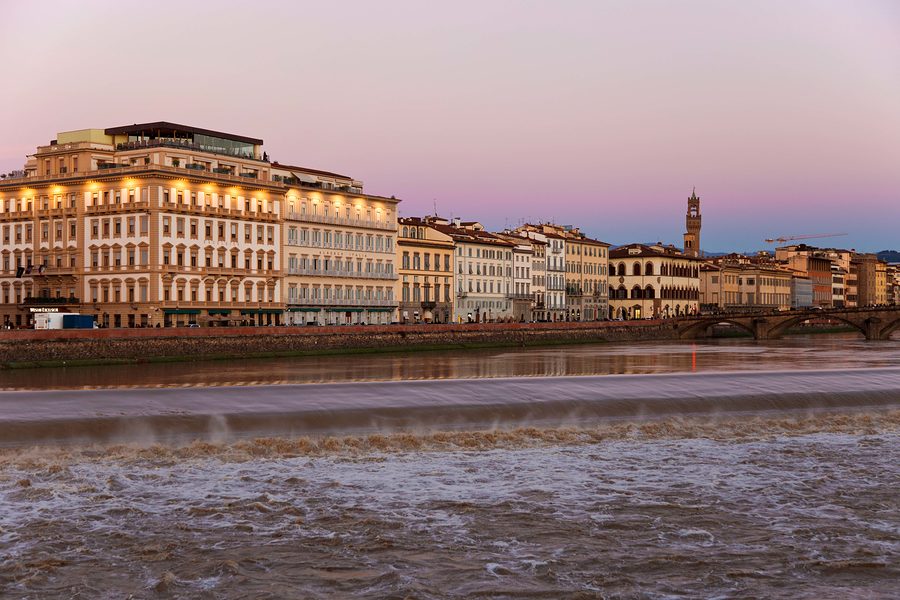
x=456 y=222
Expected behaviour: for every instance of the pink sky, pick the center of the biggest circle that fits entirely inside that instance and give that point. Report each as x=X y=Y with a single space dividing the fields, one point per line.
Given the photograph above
x=785 y=115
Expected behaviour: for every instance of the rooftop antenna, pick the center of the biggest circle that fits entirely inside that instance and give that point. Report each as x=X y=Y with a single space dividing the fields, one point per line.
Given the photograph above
x=435 y=207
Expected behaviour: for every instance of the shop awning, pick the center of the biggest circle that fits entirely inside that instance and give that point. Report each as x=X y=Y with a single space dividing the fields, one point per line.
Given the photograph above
x=303 y=309
x=261 y=311
x=338 y=309
x=181 y=311
x=382 y=310
x=219 y=311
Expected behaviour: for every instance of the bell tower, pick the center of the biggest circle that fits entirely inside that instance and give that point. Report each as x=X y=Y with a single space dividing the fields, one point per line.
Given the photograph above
x=692 y=224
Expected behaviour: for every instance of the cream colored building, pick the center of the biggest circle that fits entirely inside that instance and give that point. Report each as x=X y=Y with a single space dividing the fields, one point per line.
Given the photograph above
x=523 y=263
x=143 y=225
x=484 y=272
x=425 y=257
x=339 y=250
x=740 y=287
x=653 y=281
x=585 y=262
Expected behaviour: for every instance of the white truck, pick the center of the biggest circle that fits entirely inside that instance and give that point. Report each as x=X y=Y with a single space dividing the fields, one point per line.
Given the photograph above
x=63 y=321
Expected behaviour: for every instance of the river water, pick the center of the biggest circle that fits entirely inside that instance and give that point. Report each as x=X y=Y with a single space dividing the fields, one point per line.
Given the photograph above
x=720 y=469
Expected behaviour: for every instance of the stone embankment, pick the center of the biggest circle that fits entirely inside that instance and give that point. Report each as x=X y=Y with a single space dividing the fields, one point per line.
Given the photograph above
x=53 y=347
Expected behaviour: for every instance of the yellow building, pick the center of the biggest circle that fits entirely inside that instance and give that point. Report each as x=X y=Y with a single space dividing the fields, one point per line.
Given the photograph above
x=143 y=225
x=426 y=284
x=339 y=250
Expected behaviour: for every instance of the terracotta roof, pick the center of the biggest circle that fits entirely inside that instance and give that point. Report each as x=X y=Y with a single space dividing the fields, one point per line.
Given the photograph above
x=469 y=235
x=644 y=251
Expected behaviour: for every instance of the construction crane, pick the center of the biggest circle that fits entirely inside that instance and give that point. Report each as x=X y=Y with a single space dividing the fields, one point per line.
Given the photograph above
x=789 y=238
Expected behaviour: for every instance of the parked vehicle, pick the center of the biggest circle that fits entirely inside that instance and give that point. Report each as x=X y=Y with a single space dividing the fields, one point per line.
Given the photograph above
x=63 y=321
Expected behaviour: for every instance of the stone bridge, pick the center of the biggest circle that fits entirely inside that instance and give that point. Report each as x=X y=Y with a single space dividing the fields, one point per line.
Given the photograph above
x=874 y=323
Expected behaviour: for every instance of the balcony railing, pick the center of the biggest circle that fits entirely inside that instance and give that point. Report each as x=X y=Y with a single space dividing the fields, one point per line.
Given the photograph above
x=343 y=302
x=50 y=300
x=140 y=145
x=336 y=220
x=338 y=273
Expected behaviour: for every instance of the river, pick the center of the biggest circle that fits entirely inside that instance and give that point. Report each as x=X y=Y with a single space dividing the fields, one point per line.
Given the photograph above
x=722 y=468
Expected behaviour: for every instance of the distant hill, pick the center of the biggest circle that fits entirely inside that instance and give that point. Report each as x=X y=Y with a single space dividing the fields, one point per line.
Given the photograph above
x=891 y=256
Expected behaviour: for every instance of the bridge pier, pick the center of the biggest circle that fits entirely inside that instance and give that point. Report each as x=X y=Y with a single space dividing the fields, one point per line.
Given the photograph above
x=761 y=329
x=872 y=329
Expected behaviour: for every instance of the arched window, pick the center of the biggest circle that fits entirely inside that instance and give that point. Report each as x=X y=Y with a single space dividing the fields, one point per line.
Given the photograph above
x=648 y=269
x=636 y=268
x=622 y=293
x=621 y=270
x=405 y=232
x=636 y=293
x=649 y=292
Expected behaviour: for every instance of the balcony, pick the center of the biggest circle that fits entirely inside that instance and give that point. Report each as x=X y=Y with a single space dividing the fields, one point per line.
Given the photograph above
x=335 y=220
x=115 y=208
x=50 y=300
x=338 y=273
x=344 y=302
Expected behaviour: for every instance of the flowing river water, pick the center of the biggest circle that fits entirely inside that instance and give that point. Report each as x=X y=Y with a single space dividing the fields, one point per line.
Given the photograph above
x=718 y=469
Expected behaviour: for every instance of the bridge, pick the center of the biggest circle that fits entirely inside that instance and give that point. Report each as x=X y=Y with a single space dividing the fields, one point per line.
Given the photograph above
x=876 y=323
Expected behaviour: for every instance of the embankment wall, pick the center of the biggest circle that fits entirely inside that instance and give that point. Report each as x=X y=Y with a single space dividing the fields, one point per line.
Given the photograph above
x=54 y=346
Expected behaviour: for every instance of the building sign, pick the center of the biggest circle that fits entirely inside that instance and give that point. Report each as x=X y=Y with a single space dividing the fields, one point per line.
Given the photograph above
x=44 y=309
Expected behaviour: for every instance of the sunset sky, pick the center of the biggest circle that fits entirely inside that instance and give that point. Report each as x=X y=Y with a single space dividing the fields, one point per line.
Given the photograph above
x=603 y=114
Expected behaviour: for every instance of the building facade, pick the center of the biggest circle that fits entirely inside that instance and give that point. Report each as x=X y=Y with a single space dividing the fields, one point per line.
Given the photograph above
x=484 y=272
x=653 y=282
x=141 y=226
x=740 y=287
x=871 y=279
x=340 y=250
x=426 y=288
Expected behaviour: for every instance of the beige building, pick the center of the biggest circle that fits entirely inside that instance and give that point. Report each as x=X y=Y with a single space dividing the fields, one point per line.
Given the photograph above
x=587 y=277
x=872 y=279
x=143 y=225
x=582 y=273
x=426 y=285
x=523 y=265
x=339 y=249
x=484 y=272
x=737 y=287
x=653 y=281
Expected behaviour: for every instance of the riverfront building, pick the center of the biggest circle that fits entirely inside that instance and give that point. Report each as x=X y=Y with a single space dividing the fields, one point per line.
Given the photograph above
x=653 y=281
x=160 y=224
x=426 y=259
x=484 y=272
x=143 y=225
x=339 y=248
x=585 y=264
x=734 y=286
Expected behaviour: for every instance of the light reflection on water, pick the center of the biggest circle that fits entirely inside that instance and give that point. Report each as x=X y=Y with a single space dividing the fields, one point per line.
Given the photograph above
x=796 y=352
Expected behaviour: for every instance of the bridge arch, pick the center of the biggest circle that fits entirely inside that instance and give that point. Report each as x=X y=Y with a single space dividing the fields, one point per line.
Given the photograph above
x=890 y=328
x=780 y=328
x=696 y=328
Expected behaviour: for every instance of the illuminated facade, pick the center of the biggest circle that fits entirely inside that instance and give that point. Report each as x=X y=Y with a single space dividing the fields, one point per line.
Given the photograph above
x=339 y=250
x=145 y=225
